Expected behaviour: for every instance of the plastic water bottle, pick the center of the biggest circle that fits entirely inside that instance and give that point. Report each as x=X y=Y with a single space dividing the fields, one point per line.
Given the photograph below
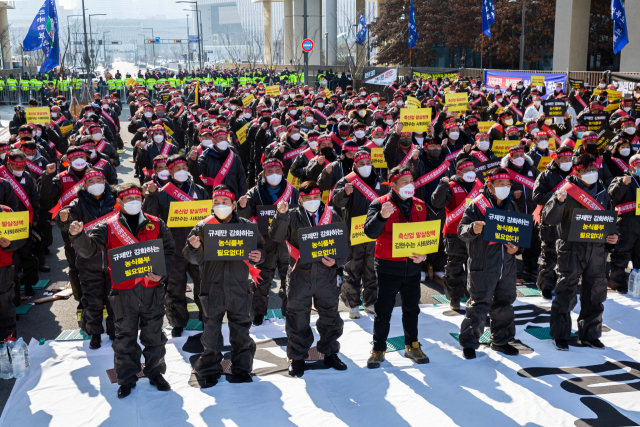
x=18 y=362
x=636 y=285
x=25 y=350
x=6 y=371
x=632 y=281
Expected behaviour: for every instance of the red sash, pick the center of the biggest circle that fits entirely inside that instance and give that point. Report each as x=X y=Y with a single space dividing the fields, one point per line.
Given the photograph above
x=102 y=219
x=407 y=157
x=309 y=154
x=60 y=120
x=293 y=153
x=101 y=146
x=371 y=145
x=521 y=179
x=110 y=119
x=101 y=164
x=148 y=173
x=626 y=207
x=583 y=198
x=4 y=173
x=479 y=155
x=165 y=149
x=456 y=214
x=425 y=179
x=538 y=212
x=224 y=170
x=551 y=134
x=69 y=196
x=254 y=272
x=320 y=113
x=581 y=101
x=452 y=156
x=621 y=164
x=34 y=168
x=336 y=139
x=362 y=186
x=479 y=99
x=623 y=113
x=518 y=112
x=324 y=220
x=176 y=193
x=286 y=195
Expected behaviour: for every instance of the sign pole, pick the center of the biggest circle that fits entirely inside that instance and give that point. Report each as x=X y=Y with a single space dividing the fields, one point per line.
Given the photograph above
x=306 y=55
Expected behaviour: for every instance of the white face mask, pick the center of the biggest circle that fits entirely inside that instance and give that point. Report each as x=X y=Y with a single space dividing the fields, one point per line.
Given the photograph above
x=454 y=135
x=320 y=104
x=158 y=138
x=285 y=96
x=148 y=114
x=518 y=161
x=536 y=103
x=79 y=164
x=18 y=173
x=97 y=136
x=602 y=85
x=247 y=115
x=38 y=132
x=295 y=136
x=365 y=171
x=181 y=176
x=534 y=131
x=515 y=100
x=548 y=121
x=508 y=122
x=163 y=174
x=543 y=144
x=362 y=113
x=133 y=208
x=54 y=115
x=566 y=166
x=96 y=189
x=520 y=86
x=222 y=145
x=232 y=107
x=105 y=107
x=399 y=103
x=363 y=93
x=626 y=108
x=179 y=104
x=207 y=143
x=339 y=116
x=483 y=145
x=407 y=191
x=313 y=144
x=280 y=135
x=309 y=119
x=625 y=151
x=469 y=176
x=226 y=104
x=359 y=134
x=222 y=211
x=311 y=205
x=378 y=141
x=282 y=108
x=590 y=177
x=274 y=179
x=389 y=122
x=502 y=192
x=30 y=158
x=374 y=99
x=630 y=130
x=292 y=112
x=419 y=139
x=3 y=155
x=500 y=99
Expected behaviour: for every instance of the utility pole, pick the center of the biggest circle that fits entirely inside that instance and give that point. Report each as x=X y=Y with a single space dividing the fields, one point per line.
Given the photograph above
x=86 y=43
x=188 y=47
x=306 y=54
x=326 y=49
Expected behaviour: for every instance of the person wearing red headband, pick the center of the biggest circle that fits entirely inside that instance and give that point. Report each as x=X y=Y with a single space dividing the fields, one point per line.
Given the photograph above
x=288 y=147
x=263 y=133
x=135 y=302
x=310 y=212
x=399 y=149
x=544 y=188
x=180 y=187
x=272 y=188
x=157 y=144
x=332 y=172
x=396 y=274
x=95 y=200
x=301 y=167
x=160 y=175
x=98 y=160
x=594 y=117
x=623 y=190
x=624 y=144
x=579 y=261
x=590 y=146
x=491 y=271
x=226 y=290
x=8 y=273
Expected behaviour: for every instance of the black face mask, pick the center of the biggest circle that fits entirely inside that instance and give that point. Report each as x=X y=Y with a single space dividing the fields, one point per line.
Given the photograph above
x=514 y=138
x=347 y=161
x=434 y=154
x=327 y=151
x=380 y=121
x=405 y=142
x=473 y=128
x=591 y=148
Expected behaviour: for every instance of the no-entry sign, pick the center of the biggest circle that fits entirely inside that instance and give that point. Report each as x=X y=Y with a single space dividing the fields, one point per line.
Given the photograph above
x=307 y=45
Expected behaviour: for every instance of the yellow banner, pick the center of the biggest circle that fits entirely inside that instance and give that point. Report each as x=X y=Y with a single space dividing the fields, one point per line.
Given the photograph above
x=612 y=95
x=456 y=101
x=168 y=130
x=130 y=82
x=577 y=144
x=637 y=201
x=325 y=197
x=192 y=306
x=38 y=115
x=415 y=120
x=377 y=158
x=15 y=225
x=537 y=80
x=188 y=214
x=501 y=148
x=357 y=231
x=413 y=102
x=67 y=128
x=542 y=166
x=272 y=90
x=293 y=180
x=415 y=238
x=613 y=106
x=247 y=100
x=485 y=126
x=242 y=134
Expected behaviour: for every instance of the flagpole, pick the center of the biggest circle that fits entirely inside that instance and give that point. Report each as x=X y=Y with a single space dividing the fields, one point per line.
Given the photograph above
x=481 y=49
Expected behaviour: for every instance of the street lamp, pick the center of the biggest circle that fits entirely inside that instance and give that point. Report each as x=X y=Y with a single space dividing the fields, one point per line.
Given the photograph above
x=91 y=33
x=522 y=32
x=197 y=27
x=188 y=48
x=145 y=48
x=154 y=46
x=104 y=45
x=69 y=26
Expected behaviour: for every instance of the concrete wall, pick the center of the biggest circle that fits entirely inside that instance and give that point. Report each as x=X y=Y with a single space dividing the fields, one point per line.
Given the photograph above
x=571 y=37
x=629 y=58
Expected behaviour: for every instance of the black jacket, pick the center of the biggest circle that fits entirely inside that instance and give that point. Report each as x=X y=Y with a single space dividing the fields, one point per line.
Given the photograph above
x=210 y=163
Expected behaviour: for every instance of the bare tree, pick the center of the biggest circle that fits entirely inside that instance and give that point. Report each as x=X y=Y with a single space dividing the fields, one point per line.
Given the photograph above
x=351 y=56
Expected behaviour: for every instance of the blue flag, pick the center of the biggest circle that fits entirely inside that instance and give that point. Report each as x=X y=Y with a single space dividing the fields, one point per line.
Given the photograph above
x=413 y=31
x=488 y=16
x=620 y=35
x=43 y=34
x=361 y=36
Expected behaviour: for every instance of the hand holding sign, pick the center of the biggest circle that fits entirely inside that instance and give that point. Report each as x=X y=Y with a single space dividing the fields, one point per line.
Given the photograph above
x=194 y=241
x=75 y=228
x=254 y=256
x=417 y=258
x=328 y=261
x=511 y=248
x=154 y=277
x=478 y=226
x=612 y=239
x=4 y=243
x=626 y=180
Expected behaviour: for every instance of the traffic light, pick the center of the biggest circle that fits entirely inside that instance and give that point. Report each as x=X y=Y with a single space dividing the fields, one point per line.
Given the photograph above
x=177 y=41
x=150 y=41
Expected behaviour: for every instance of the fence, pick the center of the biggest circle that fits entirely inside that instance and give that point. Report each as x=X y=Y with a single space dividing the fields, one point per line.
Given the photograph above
x=590 y=77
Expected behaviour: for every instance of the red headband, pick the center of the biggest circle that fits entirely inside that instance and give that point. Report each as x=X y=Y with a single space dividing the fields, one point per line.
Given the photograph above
x=220 y=133
x=75 y=154
x=313 y=138
x=565 y=154
x=280 y=128
x=519 y=149
x=465 y=165
x=349 y=148
x=271 y=163
x=589 y=138
x=158 y=161
x=362 y=156
x=292 y=126
x=579 y=167
x=205 y=130
x=94 y=174
x=635 y=162
x=224 y=193
x=130 y=192
x=499 y=176
x=175 y=162
x=472 y=121
x=480 y=135
x=324 y=138
x=94 y=127
x=4 y=148
x=627 y=122
x=400 y=175
x=581 y=127
x=310 y=193
x=451 y=124
x=513 y=129
x=17 y=162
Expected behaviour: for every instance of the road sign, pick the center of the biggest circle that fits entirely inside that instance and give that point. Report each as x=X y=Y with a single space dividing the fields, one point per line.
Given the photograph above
x=307 y=45
x=157 y=39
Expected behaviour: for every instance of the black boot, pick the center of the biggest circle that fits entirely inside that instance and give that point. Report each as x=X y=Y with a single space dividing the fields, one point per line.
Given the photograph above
x=94 y=344
x=469 y=353
x=160 y=383
x=241 y=377
x=334 y=361
x=507 y=349
x=176 y=332
x=28 y=290
x=296 y=368
x=125 y=390
x=258 y=320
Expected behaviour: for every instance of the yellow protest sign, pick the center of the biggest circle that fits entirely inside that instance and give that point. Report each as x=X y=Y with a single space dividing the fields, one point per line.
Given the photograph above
x=168 y=130
x=577 y=144
x=415 y=120
x=612 y=95
x=272 y=90
x=242 y=134
x=67 y=128
x=188 y=214
x=415 y=238
x=456 y=101
x=467 y=201
x=325 y=197
x=293 y=180
x=501 y=148
x=377 y=158
x=192 y=306
x=542 y=166
x=357 y=231
x=38 y=115
x=130 y=82
x=413 y=102
x=247 y=100
x=485 y=126
x=613 y=106
x=537 y=80
x=637 y=201
x=15 y=225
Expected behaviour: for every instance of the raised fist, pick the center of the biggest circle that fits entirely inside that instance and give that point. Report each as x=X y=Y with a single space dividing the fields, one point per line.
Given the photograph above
x=478 y=226
x=348 y=188
x=283 y=207
x=152 y=187
x=329 y=168
x=75 y=228
x=194 y=241
x=561 y=195
x=63 y=215
x=51 y=168
x=243 y=202
x=387 y=210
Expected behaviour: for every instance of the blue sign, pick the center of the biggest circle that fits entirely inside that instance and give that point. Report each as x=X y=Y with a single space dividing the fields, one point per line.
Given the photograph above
x=157 y=39
x=307 y=45
x=509 y=78
x=77 y=42
x=193 y=39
